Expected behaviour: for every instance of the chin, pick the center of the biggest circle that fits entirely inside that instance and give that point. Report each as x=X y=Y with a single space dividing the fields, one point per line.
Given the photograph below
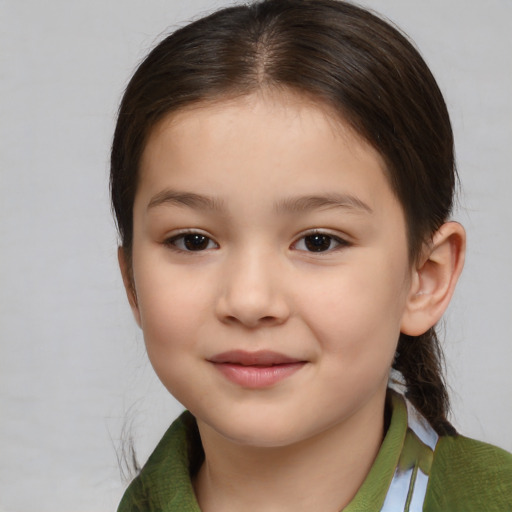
x=260 y=431
x=261 y=438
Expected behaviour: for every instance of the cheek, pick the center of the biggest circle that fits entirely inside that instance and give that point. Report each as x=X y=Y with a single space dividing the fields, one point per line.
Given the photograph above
x=357 y=311
x=171 y=307
x=172 y=315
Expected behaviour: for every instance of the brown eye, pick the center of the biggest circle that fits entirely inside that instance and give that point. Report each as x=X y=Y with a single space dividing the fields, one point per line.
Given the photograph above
x=192 y=242
x=196 y=242
x=318 y=242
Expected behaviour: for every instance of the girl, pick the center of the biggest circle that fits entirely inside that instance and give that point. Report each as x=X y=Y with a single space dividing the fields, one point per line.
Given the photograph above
x=282 y=177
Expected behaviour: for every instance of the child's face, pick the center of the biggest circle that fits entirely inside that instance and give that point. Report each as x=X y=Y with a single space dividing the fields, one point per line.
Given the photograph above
x=266 y=232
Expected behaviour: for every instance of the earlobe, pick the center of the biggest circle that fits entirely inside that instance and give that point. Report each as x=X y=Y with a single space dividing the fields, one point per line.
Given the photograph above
x=129 y=285
x=434 y=279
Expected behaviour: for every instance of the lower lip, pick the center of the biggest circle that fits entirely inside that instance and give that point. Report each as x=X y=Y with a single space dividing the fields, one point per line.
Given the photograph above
x=257 y=377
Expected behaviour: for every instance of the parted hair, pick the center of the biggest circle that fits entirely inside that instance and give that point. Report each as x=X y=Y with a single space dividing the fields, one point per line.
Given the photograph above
x=363 y=68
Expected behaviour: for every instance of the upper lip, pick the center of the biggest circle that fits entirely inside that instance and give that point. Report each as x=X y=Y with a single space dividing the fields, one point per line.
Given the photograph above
x=259 y=358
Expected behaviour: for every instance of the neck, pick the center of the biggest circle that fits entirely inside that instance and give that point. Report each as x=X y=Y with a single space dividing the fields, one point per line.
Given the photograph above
x=321 y=473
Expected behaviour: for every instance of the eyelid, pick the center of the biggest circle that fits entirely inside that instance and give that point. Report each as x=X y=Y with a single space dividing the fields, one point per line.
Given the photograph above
x=170 y=239
x=341 y=241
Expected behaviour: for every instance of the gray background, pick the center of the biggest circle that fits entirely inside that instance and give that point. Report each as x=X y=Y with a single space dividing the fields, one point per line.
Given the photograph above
x=72 y=364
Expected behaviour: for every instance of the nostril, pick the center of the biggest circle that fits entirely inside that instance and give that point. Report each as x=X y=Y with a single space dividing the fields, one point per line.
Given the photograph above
x=231 y=319
x=251 y=307
x=251 y=323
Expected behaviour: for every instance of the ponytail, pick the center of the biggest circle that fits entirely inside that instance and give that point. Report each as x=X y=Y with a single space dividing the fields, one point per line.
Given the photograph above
x=420 y=361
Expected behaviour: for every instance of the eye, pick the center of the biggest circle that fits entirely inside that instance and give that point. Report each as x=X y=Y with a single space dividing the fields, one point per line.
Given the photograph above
x=191 y=242
x=319 y=242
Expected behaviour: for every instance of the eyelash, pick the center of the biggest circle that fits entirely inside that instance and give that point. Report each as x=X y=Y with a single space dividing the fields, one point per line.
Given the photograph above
x=340 y=242
x=174 y=241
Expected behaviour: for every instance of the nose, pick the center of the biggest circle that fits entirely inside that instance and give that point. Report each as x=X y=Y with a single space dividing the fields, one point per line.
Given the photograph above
x=253 y=292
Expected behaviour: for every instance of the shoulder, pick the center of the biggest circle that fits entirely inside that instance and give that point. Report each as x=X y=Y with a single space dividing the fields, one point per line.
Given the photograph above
x=469 y=475
x=164 y=482
x=134 y=498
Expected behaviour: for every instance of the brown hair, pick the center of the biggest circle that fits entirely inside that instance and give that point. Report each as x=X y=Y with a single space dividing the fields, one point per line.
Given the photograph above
x=343 y=56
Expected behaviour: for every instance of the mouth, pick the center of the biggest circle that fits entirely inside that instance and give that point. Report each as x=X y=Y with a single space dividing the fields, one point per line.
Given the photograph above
x=255 y=370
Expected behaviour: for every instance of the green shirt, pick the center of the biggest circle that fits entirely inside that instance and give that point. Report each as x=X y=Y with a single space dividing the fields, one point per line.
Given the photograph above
x=414 y=471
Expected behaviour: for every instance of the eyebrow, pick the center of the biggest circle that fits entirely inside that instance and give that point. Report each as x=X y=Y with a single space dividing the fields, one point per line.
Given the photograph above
x=332 y=200
x=188 y=199
x=301 y=204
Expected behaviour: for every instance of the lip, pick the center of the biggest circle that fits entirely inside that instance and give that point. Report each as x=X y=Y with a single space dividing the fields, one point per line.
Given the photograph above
x=256 y=370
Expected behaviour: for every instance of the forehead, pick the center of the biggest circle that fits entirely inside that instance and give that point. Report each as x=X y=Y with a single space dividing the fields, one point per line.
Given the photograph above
x=295 y=105
x=260 y=140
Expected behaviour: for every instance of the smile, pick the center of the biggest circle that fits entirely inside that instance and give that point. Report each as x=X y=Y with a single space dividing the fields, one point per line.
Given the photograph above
x=256 y=370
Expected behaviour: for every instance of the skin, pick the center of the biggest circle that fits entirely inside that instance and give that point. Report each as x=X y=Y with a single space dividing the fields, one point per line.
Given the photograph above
x=256 y=285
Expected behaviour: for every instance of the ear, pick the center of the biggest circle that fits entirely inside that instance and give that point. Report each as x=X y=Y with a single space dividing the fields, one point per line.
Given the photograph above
x=434 y=278
x=129 y=285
